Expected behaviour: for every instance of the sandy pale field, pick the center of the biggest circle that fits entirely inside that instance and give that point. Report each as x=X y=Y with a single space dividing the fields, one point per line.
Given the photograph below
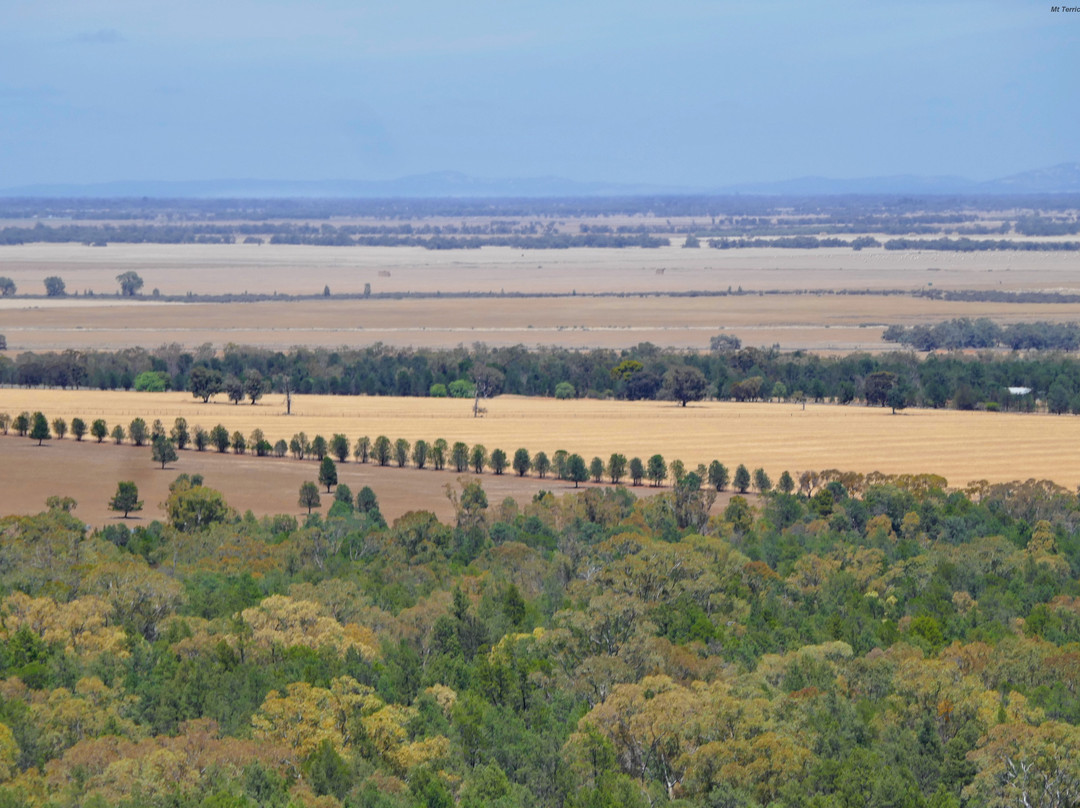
x=826 y=323
x=644 y=311
x=961 y=446
x=290 y=269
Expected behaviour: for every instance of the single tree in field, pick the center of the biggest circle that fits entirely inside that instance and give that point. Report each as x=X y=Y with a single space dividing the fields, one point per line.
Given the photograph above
x=897 y=398
x=382 y=450
x=478 y=458
x=558 y=463
x=39 y=428
x=126 y=498
x=59 y=427
x=258 y=443
x=309 y=495
x=877 y=385
x=118 y=434
x=362 y=449
x=344 y=495
x=5 y=422
x=742 y=479
x=498 y=461
x=541 y=464
x=685 y=384
x=401 y=452
x=522 y=462
x=157 y=430
x=637 y=470
x=205 y=382
x=718 y=475
x=677 y=470
x=7 y=287
x=130 y=283
x=238 y=442
x=761 y=481
x=298 y=445
x=254 y=385
x=459 y=456
x=54 y=286
x=78 y=428
x=200 y=438
x=234 y=389
x=21 y=424
x=656 y=470
x=439 y=450
x=616 y=468
x=576 y=471
x=99 y=429
x=281 y=448
x=137 y=431
x=420 y=453
x=220 y=438
x=596 y=469
x=339 y=447
x=179 y=434
x=327 y=473
x=163 y=451
x=785 y=484
x=366 y=500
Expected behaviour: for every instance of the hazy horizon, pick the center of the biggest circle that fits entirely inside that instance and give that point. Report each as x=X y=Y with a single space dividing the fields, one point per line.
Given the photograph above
x=691 y=94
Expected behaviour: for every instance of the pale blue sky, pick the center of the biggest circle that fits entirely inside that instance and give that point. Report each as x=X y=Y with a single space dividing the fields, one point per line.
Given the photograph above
x=683 y=92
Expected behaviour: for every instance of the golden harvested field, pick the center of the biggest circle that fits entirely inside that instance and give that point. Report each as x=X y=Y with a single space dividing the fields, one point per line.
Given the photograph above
x=827 y=322
x=961 y=446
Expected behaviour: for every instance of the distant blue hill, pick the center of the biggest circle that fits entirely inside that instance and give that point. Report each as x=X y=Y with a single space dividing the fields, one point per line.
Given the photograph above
x=1063 y=178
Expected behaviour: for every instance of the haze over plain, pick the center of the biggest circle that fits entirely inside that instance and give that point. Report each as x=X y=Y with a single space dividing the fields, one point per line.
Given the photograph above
x=697 y=94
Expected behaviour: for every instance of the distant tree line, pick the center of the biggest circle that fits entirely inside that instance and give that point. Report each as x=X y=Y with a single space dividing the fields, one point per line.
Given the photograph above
x=984 y=333
x=793 y=242
x=645 y=372
x=822 y=211
x=980 y=245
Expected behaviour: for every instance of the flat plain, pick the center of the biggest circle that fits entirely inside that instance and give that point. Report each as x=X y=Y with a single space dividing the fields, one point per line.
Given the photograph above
x=817 y=297
x=961 y=446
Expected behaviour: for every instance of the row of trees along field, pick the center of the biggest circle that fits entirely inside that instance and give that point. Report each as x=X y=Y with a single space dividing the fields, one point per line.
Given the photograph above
x=871 y=641
x=130 y=283
x=646 y=372
x=438 y=455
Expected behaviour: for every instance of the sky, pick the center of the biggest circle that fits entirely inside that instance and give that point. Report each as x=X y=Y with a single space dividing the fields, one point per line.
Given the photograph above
x=694 y=93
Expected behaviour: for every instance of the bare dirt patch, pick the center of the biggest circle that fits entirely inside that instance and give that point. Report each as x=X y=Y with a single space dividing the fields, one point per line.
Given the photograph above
x=89 y=473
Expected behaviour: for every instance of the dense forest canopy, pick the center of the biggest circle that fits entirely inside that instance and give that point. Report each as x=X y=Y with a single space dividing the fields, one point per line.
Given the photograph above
x=867 y=641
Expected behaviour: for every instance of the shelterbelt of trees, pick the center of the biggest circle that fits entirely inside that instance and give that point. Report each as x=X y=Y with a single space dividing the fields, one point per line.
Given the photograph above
x=644 y=372
x=866 y=642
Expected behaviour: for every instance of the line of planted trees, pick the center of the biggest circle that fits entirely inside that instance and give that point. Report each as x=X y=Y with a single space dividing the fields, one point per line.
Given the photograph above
x=644 y=372
x=382 y=451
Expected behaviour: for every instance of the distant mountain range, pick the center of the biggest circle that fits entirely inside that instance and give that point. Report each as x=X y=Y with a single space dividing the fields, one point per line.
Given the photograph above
x=1059 y=179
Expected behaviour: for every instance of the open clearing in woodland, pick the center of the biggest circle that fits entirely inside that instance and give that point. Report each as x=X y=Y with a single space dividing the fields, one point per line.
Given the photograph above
x=826 y=322
x=961 y=446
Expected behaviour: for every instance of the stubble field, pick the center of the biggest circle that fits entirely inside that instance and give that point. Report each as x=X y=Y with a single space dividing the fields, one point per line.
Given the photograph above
x=961 y=446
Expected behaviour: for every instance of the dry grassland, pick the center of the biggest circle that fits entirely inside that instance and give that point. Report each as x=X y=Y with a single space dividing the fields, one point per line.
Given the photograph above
x=810 y=322
x=960 y=446
x=294 y=269
x=819 y=323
